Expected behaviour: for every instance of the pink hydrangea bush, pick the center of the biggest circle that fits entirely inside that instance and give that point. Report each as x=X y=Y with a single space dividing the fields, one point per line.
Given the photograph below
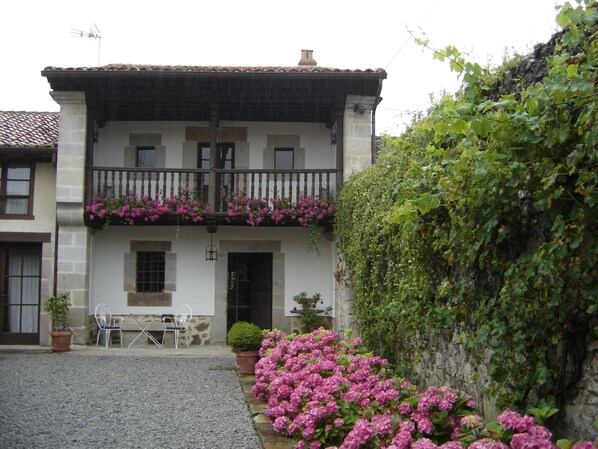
x=329 y=393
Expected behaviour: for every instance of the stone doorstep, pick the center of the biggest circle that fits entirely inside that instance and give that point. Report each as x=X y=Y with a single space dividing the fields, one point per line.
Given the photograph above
x=269 y=438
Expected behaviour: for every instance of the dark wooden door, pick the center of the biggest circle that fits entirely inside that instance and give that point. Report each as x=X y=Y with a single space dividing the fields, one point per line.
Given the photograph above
x=20 y=269
x=249 y=289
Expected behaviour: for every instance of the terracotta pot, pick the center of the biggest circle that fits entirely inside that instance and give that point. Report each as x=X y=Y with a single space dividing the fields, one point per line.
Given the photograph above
x=61 y=340
x=246 y=361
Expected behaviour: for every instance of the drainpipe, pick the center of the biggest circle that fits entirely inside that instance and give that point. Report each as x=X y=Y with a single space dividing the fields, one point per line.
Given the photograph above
x=55 y=287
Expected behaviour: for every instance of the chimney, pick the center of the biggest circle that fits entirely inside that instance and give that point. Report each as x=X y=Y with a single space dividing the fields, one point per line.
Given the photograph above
x=307 y=58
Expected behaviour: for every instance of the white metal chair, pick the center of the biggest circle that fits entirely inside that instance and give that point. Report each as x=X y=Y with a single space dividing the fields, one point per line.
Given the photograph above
x=107 y=323
x=177 y=324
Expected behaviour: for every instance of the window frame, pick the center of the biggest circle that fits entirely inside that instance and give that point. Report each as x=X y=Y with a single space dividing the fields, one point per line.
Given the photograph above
x=150 y=271
x=278 y=150
x=5 y=164
x=138 y=149
x=220 y=147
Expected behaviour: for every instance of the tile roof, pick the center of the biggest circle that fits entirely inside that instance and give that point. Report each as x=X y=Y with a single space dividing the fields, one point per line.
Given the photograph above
x=21 y=129
x=209 y=69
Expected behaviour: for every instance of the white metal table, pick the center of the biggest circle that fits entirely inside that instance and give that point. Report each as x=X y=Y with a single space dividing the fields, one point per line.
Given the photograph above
x=144 y=326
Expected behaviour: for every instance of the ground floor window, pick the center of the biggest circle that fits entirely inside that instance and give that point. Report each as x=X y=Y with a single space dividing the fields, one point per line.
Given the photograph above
x=150 y=271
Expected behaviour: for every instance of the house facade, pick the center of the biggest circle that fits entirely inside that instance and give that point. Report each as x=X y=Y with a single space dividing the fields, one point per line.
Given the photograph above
x=174 y=186
x=27 y=222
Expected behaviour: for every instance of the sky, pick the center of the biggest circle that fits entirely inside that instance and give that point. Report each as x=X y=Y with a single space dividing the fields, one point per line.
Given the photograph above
x=346 y=34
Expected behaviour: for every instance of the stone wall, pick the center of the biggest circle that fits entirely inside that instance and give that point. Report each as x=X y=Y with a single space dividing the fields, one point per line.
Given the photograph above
x=447 y=362
x=581 y=410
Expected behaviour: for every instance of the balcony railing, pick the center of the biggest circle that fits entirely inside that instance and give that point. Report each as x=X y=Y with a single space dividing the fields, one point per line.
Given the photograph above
x=267 y=184
x=110 y=182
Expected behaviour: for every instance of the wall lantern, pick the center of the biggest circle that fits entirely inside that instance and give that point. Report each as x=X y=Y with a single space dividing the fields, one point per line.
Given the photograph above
x=211 y=250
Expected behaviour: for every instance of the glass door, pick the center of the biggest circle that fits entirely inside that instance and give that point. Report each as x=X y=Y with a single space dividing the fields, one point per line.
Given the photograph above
x=249 y=289
x=20 y=265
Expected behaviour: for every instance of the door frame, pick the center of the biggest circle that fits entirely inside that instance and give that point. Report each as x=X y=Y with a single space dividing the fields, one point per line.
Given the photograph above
x=20 y=337
x=258 y=310
x=279 y=320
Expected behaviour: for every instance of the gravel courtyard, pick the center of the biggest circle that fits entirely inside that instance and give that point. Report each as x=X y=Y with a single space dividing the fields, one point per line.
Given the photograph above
x=88 y=400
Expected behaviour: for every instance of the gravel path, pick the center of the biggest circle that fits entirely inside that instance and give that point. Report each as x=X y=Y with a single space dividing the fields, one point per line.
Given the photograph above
x=92 y=401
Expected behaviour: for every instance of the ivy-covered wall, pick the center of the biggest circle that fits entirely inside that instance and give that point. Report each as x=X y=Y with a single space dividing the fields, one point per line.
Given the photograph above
x=481 y=222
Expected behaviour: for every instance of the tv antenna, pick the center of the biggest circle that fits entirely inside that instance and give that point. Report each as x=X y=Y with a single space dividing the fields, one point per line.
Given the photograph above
x=93 y=33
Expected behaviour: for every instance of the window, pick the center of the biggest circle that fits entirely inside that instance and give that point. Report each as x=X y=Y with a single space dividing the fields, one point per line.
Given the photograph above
x=149 y=276
x=226 y=160
x=150 y=271
x=16 y=189
x=226 y=156
x=145 y=157
x=284 y=159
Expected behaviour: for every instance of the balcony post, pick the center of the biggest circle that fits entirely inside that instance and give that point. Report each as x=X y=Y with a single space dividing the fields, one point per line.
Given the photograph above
x=212 y=185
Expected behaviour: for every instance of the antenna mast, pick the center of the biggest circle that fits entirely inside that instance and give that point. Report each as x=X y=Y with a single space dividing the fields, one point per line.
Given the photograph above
x=93 y=33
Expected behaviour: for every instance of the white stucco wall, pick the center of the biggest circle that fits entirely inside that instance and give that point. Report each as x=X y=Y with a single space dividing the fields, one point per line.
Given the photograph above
x=114 y=137
x=195 y=277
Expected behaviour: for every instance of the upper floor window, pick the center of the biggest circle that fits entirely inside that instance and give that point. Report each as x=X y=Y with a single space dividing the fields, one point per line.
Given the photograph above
x=16 y=189
x=226 y=155
x=145 y=157
x=284 y=159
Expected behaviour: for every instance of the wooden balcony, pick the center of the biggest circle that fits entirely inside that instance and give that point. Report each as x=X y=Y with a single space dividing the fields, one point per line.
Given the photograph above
x=113 y=183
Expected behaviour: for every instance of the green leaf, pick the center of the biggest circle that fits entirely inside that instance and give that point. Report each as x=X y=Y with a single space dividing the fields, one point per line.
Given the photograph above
x=542 y=374
x=562 y=18
x=440 y=55
x=426 y=203
x=571 y=70
x=406 y=212
x=482 y=127
x=459 y=126
x=564 y=444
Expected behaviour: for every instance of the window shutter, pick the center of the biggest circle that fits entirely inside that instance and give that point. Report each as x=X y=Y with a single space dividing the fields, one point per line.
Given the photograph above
x=130 y=156
x=190 y=154
x=299 y=162
x=160 y=157
x=242 y=155
x=269 y=158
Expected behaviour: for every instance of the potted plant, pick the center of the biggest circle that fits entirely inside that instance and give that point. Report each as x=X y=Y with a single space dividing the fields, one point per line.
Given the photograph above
x=312 y=317
x=245 y=339
x=58 y=307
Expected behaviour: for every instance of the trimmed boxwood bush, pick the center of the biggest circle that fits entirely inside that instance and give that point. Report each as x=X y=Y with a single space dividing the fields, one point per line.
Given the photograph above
x=244 y=336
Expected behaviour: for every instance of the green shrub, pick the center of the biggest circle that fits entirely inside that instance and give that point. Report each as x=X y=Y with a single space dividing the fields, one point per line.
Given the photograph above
x=244 y=336
x=482 y=220
x=58 y=310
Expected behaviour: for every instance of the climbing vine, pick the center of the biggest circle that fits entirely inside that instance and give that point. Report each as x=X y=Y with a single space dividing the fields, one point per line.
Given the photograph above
x=482 y=218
